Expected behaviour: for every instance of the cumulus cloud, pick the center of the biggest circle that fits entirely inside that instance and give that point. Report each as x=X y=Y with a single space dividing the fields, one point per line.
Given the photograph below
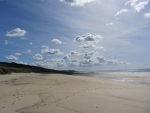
x=20 y=62
x=76 y=2
x=99 y=60
x=51 y=63
x=56 y=41
x=147 y=15
x=75 y=53
x=90 y=58
x=116 y=62
x=11 y=57
x=58 y=62
x=87 y=62
x=18 y=54
x=74 y=58
x=89 y=54
x=132 y=2
x=74 y=62
x=16 y=33
x=44 y=46
x=28 y=51
x=110 y=24
x=72 y=54
x=48 y=51
x=121 y=11
x=138 y=5
x=98 y=47
x=24 y=38
x=86 y=45
x=37 y=57
x=88 y=40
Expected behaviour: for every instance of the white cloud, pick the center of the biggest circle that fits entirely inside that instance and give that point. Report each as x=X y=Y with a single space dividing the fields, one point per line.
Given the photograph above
x=74 y=58
x=138 y=5
x=30 y=43
x=37 y=57
x=28 y=51
x=76 y=2
x=58 y=62
x=11 y=57
x=88 y=40
x=85 y=45
x=44 y=46
x=121 y=11
x=67 y=56
x=20 y=62
x=132 y=2
x=89 y=54
x=147 y=15
x=75 y=53
x=99 y=60
x=51 y=63
x=111 y=23
x=18 y=54
x=6 y=42
x=88 y=45
x=56 y=41
x=87 y=62
x=73 y=62
x=115 y=62
x=16 y=33
x=71 y=55
x=24 y=38
x=91 y=58
x=98 y=47
x=51 y=51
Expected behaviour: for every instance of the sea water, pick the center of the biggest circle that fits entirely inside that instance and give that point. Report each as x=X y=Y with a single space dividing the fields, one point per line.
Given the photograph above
x=135 y=80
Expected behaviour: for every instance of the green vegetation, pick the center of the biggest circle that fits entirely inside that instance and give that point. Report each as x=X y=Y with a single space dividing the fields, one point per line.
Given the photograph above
x=7 y=68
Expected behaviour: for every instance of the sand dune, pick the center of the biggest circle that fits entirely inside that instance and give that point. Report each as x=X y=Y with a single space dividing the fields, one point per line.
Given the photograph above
x=56 y=93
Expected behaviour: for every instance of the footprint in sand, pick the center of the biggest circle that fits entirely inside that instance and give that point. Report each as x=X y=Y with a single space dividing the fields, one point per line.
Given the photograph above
x=67 y=97
x=44 y=105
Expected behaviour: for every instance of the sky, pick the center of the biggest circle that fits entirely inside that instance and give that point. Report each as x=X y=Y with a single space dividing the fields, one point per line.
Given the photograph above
x=84 y=35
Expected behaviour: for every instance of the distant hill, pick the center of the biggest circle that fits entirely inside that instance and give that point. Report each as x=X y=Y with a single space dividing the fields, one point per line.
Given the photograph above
x=7 y=68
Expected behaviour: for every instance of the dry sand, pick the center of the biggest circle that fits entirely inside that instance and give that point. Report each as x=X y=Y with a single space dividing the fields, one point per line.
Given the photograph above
x=56 y=93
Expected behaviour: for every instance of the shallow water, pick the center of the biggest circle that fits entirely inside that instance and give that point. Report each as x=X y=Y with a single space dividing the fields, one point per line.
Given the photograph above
x=130 y=80
x=135 y=80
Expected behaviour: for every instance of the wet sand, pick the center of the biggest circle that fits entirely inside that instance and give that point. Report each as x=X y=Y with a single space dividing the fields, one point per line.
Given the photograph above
x=56 y=93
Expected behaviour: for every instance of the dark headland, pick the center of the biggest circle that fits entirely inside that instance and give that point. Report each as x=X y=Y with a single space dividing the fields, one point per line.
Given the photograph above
x=8 y=68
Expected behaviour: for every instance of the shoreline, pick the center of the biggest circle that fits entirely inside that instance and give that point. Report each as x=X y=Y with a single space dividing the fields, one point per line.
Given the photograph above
x=126 y=77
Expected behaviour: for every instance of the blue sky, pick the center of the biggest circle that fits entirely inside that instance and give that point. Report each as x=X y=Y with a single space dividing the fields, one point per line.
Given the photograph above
x=76 y=34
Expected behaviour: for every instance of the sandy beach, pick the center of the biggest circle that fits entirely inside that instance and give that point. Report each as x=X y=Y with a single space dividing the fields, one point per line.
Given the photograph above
x=57 y=93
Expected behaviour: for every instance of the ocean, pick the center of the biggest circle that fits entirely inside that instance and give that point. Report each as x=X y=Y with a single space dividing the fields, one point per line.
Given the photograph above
x=133 y=79
x=135 y=76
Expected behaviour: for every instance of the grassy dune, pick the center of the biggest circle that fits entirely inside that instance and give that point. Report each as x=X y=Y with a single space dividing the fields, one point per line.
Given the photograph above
x=7 y=68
